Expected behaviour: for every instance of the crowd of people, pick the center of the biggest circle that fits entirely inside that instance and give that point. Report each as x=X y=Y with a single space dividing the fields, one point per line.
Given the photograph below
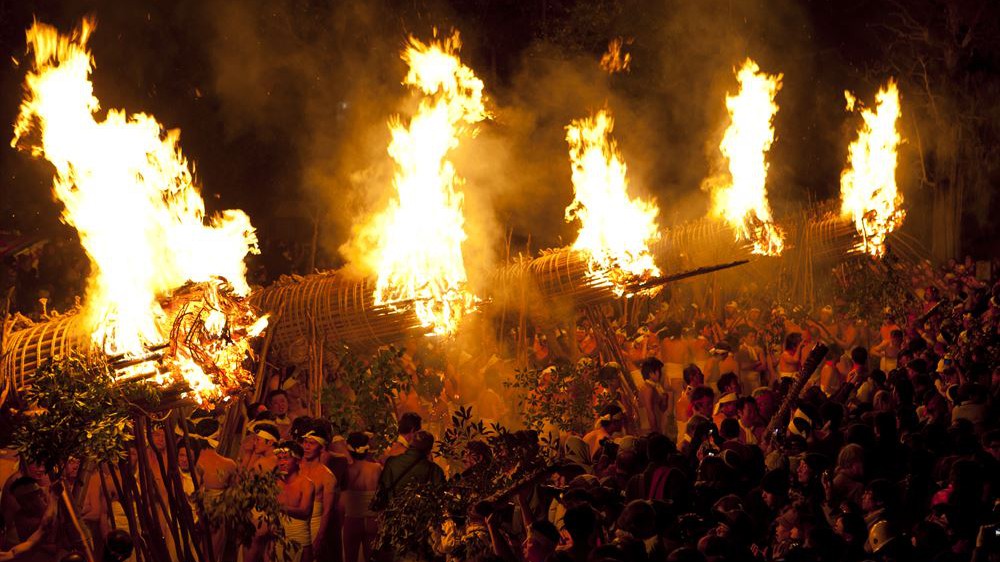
x=720 y=444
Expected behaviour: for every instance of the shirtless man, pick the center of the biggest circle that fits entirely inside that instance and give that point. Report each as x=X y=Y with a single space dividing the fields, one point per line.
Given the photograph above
x=321 y=522
x=360 y=525
x=653 y=400
x=8 y=504
x=33 y=502
x=699 y=346
x=888 y=351
x=790 y=360
x=214 y=470
x=611 y=421
x=296 y=496
x=262 y=456
x=722 y=361
x=829 y=328
x=674 y=354
x=750 y=356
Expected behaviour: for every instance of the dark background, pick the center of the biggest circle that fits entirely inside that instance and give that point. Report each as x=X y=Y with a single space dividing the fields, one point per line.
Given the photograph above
x=283 y=104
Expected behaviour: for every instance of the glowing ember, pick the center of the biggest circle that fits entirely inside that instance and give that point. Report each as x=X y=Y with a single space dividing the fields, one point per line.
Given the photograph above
x=130 y=194
x=418 y=238
x=743 y=202
x=615 y=59
x=868 y=185
x=615 y=229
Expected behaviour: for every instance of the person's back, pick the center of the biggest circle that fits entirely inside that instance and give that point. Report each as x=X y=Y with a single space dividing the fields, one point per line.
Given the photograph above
x=413 y=467
x=215 y=469
x=361 y=480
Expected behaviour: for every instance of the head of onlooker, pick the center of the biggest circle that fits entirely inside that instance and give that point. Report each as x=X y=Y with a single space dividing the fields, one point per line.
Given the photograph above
x=693 y=376
x=359 y=445
x=409 y=424
x=651 y=369
x=277 y=403
x=423 y=443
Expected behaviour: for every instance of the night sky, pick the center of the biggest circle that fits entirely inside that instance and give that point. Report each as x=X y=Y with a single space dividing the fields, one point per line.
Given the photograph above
x=282 y=104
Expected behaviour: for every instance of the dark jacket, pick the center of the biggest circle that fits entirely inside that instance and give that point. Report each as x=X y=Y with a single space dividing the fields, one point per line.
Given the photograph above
x=410 y=468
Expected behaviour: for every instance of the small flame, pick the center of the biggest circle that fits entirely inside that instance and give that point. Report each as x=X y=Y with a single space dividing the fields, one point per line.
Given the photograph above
x=615 y=229
x=615 y=59
x=129 y=192
x=419 y=237
x=868 y=185
x=743 y=202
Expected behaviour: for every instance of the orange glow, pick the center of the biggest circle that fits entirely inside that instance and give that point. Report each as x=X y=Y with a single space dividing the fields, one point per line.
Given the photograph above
x=868 y=190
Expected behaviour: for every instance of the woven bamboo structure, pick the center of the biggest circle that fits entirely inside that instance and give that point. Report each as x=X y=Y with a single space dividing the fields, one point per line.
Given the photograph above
x=24 y=350
x=326 y=309
x=312 y=313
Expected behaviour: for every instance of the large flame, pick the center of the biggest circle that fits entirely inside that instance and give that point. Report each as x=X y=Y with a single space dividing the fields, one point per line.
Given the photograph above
x=129 y=192
x=743 y=202
x=868 y=185
x=615 y=229
x=418 y=238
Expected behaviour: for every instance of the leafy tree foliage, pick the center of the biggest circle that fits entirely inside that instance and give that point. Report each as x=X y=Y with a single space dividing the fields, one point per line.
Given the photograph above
x=246 y=506
x=77 y=408
x=363 y=394
x=567 y=397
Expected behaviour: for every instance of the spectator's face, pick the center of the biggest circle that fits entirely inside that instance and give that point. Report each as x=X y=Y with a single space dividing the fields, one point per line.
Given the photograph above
x=993 y=448
x=729 y=409
x=470 y=459
x=804 y=473
x=867 y=503
x=703 y=406
x=311 y=448
x=770 y=500
x=279 y=405
x=749 y=412
x=287 y=463
x=72 y=468
x=262 y=446
x=182 y=459
x=35 y=470
x=159 y=439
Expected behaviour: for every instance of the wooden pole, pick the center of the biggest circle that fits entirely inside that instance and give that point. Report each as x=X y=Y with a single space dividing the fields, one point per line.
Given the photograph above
x=88 y=549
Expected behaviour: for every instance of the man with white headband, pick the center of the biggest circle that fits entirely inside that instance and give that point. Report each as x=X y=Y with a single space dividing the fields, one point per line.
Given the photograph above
x=321 y=523
x=262 y=456
x=214 y=470
x=296 y=496
x=360 y=482
x=610 y=422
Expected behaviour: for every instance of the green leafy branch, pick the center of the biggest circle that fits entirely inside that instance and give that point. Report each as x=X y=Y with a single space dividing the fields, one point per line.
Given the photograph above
x=362 y=398
x=77 y=408
x=248 y=507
